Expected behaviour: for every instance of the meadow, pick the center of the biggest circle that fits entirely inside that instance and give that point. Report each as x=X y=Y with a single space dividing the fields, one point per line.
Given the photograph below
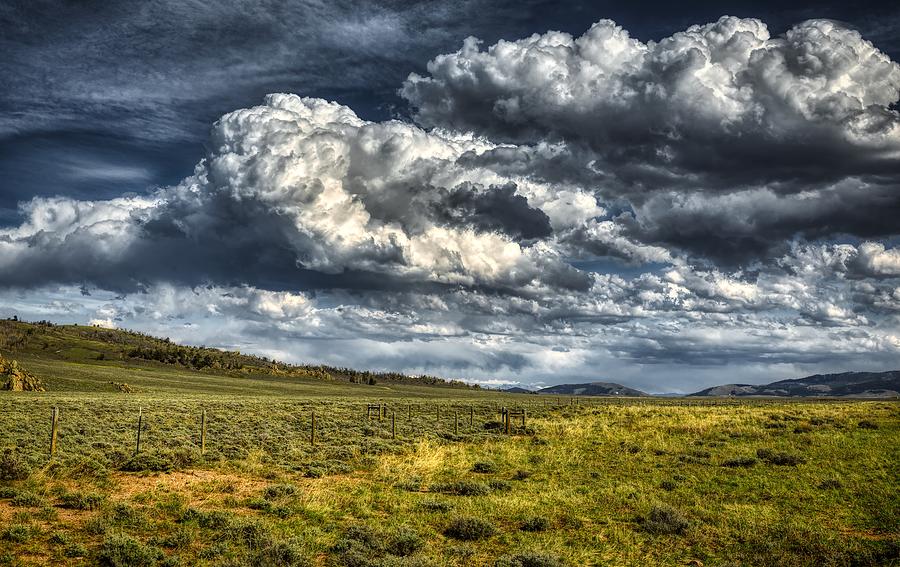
x=585 y=482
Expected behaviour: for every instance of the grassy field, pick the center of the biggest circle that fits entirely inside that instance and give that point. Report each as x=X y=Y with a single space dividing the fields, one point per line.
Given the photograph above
x=603 y=482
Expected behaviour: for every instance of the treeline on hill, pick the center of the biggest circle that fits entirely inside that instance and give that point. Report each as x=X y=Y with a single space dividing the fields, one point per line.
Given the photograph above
x=123 y=344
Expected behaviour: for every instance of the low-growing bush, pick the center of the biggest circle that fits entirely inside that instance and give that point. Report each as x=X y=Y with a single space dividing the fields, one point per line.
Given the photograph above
x=436 y=506
x=120 y=550
x=248 y=532
x=149 y=461
x=535 y=524
x=124 y=515
x=405 y=541
x=81 y=500
x=735 y=462
x=275 y=553
x=8 y=492
x=208 y=519
x=181 y=538
x=26 y=499
x=75 y=550
x=279 y=490
x=866 y=424
x=498 y=485
x=410 y=485
x=18 y=533
x=522 y=475
x=484 y=467
x=469 y=528
x=664 y=519
x=12 y=466
x=461 y=488
x=780 y=458
x=529 y=560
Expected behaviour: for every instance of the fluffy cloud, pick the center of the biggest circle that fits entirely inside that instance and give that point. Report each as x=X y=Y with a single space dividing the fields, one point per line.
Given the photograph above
x=302 y=186
x=791 y=135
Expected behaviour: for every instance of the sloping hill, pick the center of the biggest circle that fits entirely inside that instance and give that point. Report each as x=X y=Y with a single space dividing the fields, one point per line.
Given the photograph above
x=845 y=384
x=517 y=390
x=79 y=357
x=592 y=389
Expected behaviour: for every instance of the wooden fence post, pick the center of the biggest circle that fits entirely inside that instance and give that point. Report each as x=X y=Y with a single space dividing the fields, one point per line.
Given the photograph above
x=137 y=447
x=393 y=426
x=203 y=431
x=471 y=417
x=408 y=412
x=312 y=431
x=456 y=423
x=54 y=417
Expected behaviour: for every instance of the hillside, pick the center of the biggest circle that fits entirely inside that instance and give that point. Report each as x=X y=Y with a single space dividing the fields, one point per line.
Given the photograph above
x=517 y=390
x=69 y=352
x=846 y=384
x=592 y=389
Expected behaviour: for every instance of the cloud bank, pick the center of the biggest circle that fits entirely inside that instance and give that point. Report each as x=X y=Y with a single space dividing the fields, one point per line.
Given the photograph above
x=562 y=208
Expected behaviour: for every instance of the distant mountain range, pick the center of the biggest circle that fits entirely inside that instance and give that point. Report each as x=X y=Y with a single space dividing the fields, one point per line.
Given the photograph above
x=591 y=389
x=846 y=384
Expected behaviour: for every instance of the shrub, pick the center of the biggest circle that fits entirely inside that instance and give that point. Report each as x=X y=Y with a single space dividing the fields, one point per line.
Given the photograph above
x=484 y=467
x=668 y=485
x=522 y=475
x=780 y=458
x=665 y=520
x=278 y=553
x=212 y=519
x=13 y=467
x=75 y=550
x=469 y=529
x=410 y=485
x=364 y=535
x=528 y=560
x=8 y=492
x=735 y=462
x=405 y=541
x=461 y=488
x=535 y=524
x=27 y=499
x=124 y=515
x=830 y=484
x=18 y=533
x=280 y=490
x=120 y=550
x=492 y=425
x=498 y=485
x=81 y=500
x=249 y=533
x=436 y=506
x=866 y=424
x=147 y=461
x=179 y=539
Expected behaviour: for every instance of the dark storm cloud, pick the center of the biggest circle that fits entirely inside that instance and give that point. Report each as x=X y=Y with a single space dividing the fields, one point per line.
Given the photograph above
x=498 y=208
x=687 y=128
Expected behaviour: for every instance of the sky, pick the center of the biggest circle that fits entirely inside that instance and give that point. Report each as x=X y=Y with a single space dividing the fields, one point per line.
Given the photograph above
x=665 y=195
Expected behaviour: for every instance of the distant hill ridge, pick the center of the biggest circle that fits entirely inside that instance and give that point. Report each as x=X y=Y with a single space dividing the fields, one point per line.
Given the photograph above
x=845 y=384
x=588 y=389
x=95 y=345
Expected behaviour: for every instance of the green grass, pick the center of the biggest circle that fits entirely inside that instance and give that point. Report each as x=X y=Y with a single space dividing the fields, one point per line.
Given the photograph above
x=603 y=482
